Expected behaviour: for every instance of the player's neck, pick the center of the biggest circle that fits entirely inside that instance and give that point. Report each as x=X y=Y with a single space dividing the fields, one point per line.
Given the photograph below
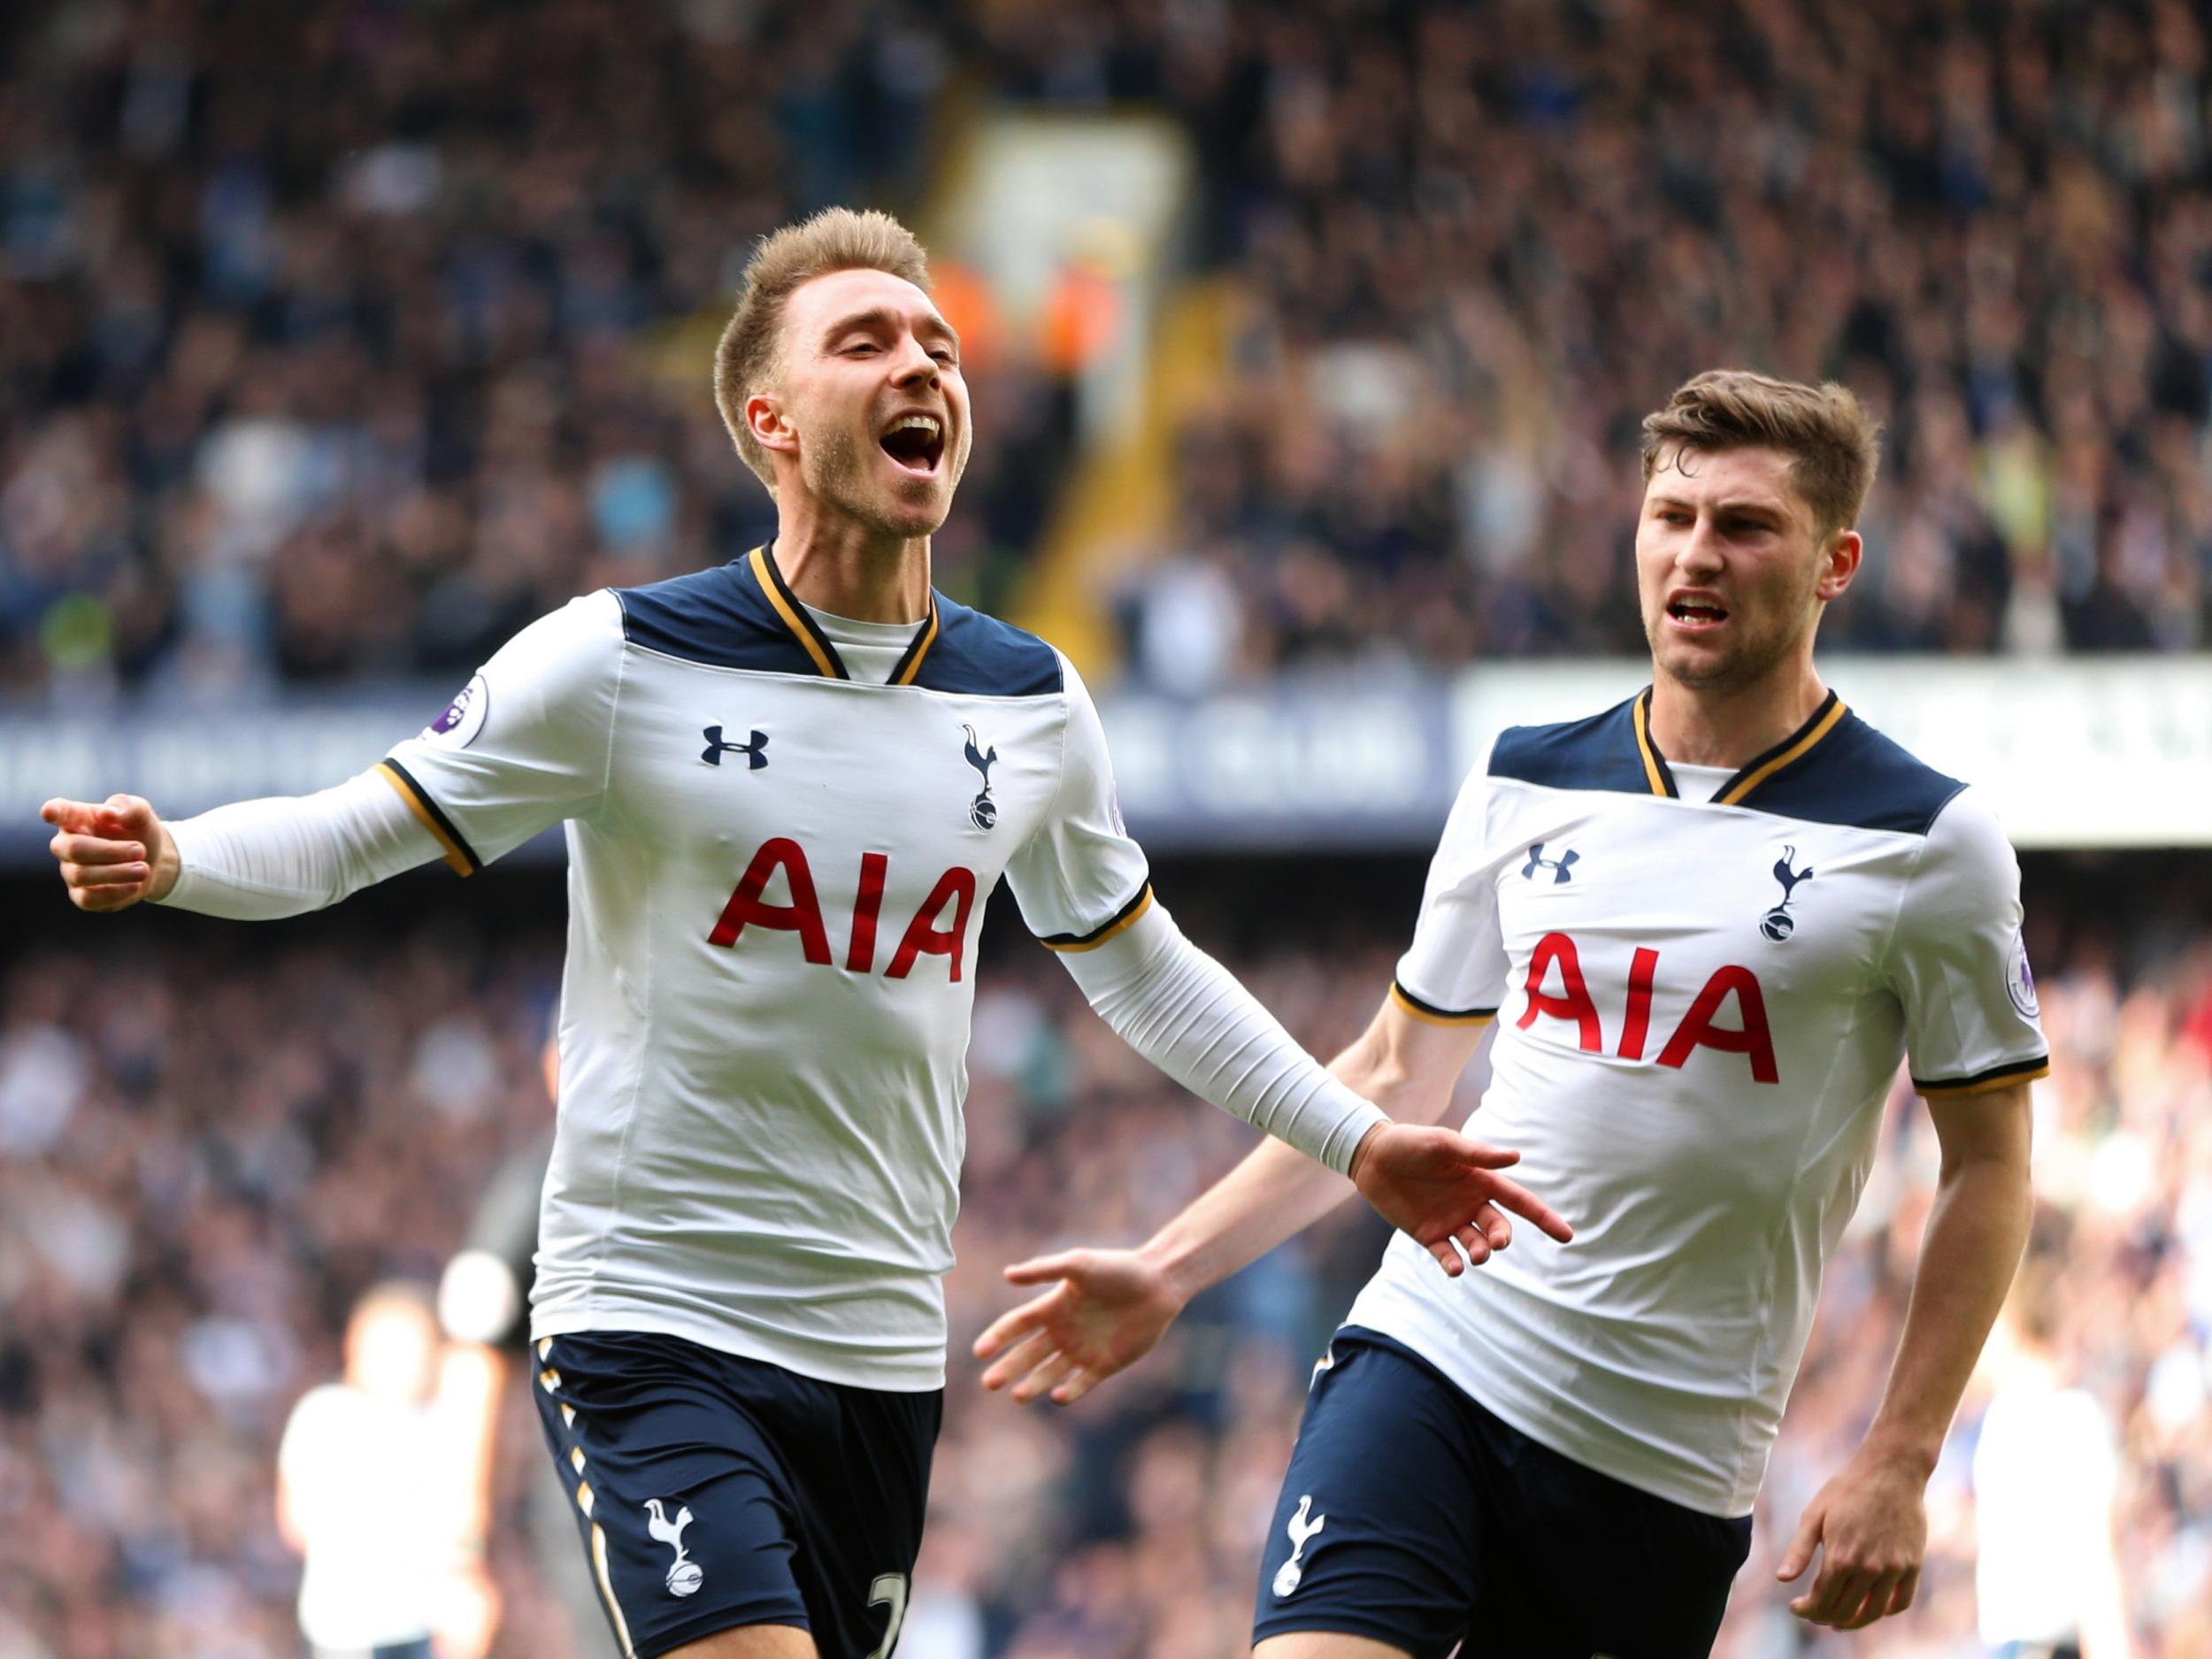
x=837 y=564
x=1731 y=726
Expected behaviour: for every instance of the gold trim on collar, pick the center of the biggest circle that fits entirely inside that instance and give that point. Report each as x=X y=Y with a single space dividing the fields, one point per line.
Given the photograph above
x=1654 y=773
x=800 y=632
x=923 y=640
x=1734 y=793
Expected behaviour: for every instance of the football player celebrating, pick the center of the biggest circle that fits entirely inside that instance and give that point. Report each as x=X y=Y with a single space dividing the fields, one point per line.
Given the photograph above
x=1711 y=922
x=789 y=786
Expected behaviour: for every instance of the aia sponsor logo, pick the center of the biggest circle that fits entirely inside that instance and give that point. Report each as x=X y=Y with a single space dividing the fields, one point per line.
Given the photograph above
x=926 y=934
x=1730 y=990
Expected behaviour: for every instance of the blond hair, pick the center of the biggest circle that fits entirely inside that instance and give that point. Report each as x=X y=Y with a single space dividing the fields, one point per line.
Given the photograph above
x=835 y=239
x=1833 y=444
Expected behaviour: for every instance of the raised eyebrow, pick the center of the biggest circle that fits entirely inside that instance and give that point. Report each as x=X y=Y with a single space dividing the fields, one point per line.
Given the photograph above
x=884 y=316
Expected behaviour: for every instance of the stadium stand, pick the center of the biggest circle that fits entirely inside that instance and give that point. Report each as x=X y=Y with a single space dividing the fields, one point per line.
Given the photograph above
x=337 y=340
x=195 y=1187
x=350 y=369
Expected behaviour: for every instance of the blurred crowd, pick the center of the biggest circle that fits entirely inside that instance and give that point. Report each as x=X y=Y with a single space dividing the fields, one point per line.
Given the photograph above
x=195 y=1186
x=1475 y=244
x=343 y=339
x=339 y=339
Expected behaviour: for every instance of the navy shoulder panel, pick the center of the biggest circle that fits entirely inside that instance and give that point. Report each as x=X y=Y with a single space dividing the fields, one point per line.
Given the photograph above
x=980 y=656
x=1857 y=777
x=719 y=617
x=1596 y=753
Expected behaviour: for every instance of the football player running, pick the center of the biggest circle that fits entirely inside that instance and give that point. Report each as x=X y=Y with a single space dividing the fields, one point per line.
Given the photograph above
x=1712 y=921
x=789 y=783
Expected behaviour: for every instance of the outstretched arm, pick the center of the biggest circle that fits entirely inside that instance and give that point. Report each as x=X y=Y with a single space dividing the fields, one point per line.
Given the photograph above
x=254 y=861
x=527 y=743
x=1870 y=1521
x=1106 y=1309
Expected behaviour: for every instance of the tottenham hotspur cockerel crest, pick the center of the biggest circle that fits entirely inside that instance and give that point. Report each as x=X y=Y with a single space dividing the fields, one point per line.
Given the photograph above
x=982 y=811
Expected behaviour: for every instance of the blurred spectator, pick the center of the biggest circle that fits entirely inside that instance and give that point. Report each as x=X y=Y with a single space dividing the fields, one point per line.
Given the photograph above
x=193 y=1192
x=352 y=369
x=357 y=1473
x=2046 y=1473
x=1478 y=243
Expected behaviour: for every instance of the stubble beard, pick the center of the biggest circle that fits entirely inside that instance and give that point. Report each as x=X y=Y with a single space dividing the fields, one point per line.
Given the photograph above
x=1747 y=665
x=834 y=469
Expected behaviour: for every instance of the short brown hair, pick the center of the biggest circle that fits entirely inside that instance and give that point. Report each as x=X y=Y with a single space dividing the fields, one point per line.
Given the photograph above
x=835 y=239
x=1833 y=444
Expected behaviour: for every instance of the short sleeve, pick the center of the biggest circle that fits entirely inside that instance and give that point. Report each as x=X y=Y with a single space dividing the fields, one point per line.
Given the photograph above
x=1453 y=972
x=1078 y=878
x=1958 y=961
x=525 y=744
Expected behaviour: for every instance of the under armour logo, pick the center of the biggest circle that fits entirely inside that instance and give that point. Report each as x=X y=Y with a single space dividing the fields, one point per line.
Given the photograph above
x=1778 y=923
x=685 y=1576
x=755 y=752
x=982 y=811
x=1289 y=1574
x=1560 y=866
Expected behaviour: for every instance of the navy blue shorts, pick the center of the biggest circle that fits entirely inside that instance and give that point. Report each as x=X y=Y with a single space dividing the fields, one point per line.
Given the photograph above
x=714 y=1492
x=1412 y=1516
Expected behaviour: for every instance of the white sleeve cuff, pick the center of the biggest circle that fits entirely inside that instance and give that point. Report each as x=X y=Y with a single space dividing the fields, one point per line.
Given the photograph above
x=261 y=860
x=1186 y=1013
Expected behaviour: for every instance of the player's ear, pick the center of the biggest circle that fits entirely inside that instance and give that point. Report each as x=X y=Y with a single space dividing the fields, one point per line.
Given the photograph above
x=1840 y=551
x=764 y=420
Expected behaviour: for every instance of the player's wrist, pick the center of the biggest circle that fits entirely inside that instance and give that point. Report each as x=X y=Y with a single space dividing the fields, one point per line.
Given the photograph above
x=1179 y=1266
x=165 y=866
x=1366 y=1145
x=1900 y=1454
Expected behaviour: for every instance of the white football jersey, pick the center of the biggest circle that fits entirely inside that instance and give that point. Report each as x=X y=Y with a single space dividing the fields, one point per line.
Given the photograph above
x=1703 y=1007
x=776 y=876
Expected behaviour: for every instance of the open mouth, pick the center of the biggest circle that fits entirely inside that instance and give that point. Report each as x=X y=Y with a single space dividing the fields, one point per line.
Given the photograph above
x=1697 y=614
x=916 y=442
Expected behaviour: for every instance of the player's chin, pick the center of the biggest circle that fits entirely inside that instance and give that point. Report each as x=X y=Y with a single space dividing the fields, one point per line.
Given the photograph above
x=1696 y=663
x=915 y=505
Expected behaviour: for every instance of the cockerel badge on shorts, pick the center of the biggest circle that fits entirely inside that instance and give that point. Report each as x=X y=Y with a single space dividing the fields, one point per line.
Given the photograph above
x=684 y=1574
x=1288 y=1575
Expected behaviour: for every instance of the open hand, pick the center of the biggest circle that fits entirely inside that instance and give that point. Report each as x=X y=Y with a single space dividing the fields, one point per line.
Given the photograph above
x=112 y=853
x=1870 y=1524
x=1104 y=1312
x=1440 y=1188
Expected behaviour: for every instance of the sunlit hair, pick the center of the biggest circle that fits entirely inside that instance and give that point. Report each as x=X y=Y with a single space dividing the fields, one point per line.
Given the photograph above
x=1833 y=444
x=836 y=239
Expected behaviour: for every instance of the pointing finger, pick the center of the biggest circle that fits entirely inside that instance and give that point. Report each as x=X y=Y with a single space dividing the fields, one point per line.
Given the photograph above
x=68 y=815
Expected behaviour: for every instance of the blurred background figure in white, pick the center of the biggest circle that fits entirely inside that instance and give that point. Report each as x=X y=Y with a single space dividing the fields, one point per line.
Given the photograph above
x=2046 y=1474
x=356 y=1476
